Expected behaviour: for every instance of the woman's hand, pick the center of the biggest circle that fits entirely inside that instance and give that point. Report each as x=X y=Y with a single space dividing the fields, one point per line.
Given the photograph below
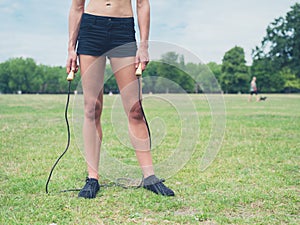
x=72 y=62
x=142 y=57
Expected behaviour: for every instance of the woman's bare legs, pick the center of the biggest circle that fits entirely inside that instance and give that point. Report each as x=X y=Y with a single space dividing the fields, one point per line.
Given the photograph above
x=92 y=73
x=124 y=70
x=92 y=70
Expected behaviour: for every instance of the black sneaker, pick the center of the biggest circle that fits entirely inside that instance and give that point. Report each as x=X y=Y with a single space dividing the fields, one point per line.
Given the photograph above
x=90 y=189
x=152 y=183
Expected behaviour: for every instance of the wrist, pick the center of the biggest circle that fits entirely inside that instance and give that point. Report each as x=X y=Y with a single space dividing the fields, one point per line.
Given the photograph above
x=71 y=50
x=144 y=45
x=71 y=46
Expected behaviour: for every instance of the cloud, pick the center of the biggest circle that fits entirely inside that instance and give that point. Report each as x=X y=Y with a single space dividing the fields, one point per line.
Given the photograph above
x=208 y=28
x=45 y=49
x=34 y=29
x=6 y=7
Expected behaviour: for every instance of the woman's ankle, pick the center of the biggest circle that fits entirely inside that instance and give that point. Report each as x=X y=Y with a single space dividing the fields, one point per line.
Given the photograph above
x=93 y=175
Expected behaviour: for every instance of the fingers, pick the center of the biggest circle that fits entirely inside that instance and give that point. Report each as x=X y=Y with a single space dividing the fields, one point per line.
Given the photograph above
x=71 y=65
x=142 y=57
x=137 y=62
x=68 y=67
x=72 y=62
x=143 y=63
x=74 y=67
x=71 y=68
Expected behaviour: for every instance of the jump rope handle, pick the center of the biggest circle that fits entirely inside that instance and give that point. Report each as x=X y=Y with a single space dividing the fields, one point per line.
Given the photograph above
x=139 y=71
x=71 y=76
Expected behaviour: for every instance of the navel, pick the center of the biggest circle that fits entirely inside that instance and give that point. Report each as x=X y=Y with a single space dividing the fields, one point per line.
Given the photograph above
x=108 y=4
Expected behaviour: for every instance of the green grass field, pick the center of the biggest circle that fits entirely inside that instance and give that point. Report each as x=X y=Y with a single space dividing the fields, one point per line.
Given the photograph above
x=253 y=180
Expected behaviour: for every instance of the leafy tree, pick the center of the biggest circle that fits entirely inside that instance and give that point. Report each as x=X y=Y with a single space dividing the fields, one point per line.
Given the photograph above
x=25 y=75
x=194 y=71
x=4 y=77
x=235 y=75
x=110 y=84
x=268 y=79
x=215 y=72
x=281 y=45
x=150 y=76
x=276 y=62
x=291 y=82
x=21 y=75
x=203 y=80
x=216 y=69
x=172 y=68
x=54 y=80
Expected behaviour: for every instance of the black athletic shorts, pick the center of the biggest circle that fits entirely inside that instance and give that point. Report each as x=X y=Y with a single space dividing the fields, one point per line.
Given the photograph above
x=106 y=36
x=253 y=92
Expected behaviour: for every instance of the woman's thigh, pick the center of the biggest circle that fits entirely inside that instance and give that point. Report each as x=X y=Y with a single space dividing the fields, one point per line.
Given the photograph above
x=92 y=72
x=124 y=70
x=92 y=75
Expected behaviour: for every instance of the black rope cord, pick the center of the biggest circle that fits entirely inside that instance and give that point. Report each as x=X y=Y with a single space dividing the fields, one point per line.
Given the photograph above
x=140 y=101
x=68 y=142
x=120 y=182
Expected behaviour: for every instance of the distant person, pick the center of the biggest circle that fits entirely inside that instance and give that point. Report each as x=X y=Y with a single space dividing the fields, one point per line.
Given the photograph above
x=253 y=90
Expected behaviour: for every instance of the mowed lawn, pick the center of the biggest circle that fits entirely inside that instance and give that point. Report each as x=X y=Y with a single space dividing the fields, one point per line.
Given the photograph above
x=253 y=180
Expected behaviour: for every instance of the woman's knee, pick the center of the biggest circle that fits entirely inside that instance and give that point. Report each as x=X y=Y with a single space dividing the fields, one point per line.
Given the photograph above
x=93 y=109
x=136 y=112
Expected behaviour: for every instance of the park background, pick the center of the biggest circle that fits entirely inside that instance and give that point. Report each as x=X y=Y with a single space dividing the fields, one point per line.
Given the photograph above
x=274 y=60
x=254 y=179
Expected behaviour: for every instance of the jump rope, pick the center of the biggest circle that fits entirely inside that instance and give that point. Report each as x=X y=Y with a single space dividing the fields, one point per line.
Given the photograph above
x=122 y=182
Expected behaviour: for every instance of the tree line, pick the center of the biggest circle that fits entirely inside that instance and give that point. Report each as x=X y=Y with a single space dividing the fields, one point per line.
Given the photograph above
x=276 y=64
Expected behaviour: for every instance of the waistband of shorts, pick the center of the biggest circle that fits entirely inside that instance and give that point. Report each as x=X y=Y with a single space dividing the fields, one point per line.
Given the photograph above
x=107 y=18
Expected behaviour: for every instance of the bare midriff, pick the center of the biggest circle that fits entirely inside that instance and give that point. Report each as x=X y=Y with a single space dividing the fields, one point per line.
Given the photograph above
x=111 y=8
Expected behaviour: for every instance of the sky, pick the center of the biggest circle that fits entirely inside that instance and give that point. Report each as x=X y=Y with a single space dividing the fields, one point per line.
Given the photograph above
x=206 y=28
